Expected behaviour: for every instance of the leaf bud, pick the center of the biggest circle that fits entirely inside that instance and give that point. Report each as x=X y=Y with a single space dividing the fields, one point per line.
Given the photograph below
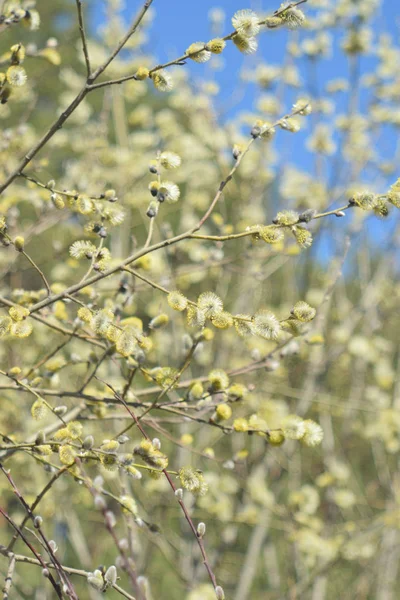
x=154 y=186
x=153 y=167
x=37 y=522
x=236 y=151
x=111 y=575
x=57 y=201
x=95 y=580
x=88 y=442
x=276 y=438
x=159 y=321
x=142 y=73
x=307 y=215
x=272 y=364
x=216 y=46
x=110 y=519
x=40 y=438
x=15 y=371
x=179 y=493
x=110 y=195
x=272 y=22
x=99 y=502
x=123 y=544
x=255 y=132
x=18 y=54
x=162 y=194
x=19 y=243
x=152 y=209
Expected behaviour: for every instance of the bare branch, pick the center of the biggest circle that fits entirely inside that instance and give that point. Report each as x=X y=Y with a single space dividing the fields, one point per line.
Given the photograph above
x=83 y=37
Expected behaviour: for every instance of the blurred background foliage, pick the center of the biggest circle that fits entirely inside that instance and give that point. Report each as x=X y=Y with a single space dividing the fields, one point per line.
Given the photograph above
x=282 y=522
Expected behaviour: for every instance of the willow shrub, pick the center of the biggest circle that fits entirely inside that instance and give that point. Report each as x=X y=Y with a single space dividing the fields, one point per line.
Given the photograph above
x=199 y=342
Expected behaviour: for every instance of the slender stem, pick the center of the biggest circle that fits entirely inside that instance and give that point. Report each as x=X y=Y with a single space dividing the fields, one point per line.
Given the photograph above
x=54 y=190
x=172 y=485
x=89 y=86
x=58 y=328
x=83 y=37
x=178 y=375
x=38 y=498
x=34 y=552
x=332 y=212
x=110 y=528
x=22 y=384
x=146 y=280
x=46 y=543
x=164 y=243
x=138 y=19
x=92 y=262
x=93 y=373
x=35 y=266
x=59 y=122
x=150 y=234
x=182 y=59
x=31 y=561
x=43 y=360
x=9 y=577
x=221 y=238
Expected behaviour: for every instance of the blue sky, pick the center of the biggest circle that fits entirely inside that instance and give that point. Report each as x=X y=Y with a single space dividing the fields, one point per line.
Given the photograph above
x=178 y=23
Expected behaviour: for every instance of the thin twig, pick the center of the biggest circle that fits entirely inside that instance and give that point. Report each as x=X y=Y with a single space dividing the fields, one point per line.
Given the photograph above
x=59 y=122
x=108 y=522
x=83 y=37
x=58 y=328
x=150 y=234
x=38 y=498
x=172 y=485
x=35 y=266
x=38 y=527
x=181 y=60
x=70 y=570
x=34 y=552
x=9 y=577
x=164 y=243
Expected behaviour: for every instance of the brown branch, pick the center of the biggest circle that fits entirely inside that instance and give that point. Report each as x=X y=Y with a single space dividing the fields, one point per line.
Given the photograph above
x=122 y=43
x=110 y=528
x=59 y=122
x=199 y=540
x=80 y=572
x=164 y=243
x=38 y=527
x=83 y=37
x=34 y=552
x=181 y=60
x=58 y=328
x=35 y=266
x=9 y=577
x=37 y=500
